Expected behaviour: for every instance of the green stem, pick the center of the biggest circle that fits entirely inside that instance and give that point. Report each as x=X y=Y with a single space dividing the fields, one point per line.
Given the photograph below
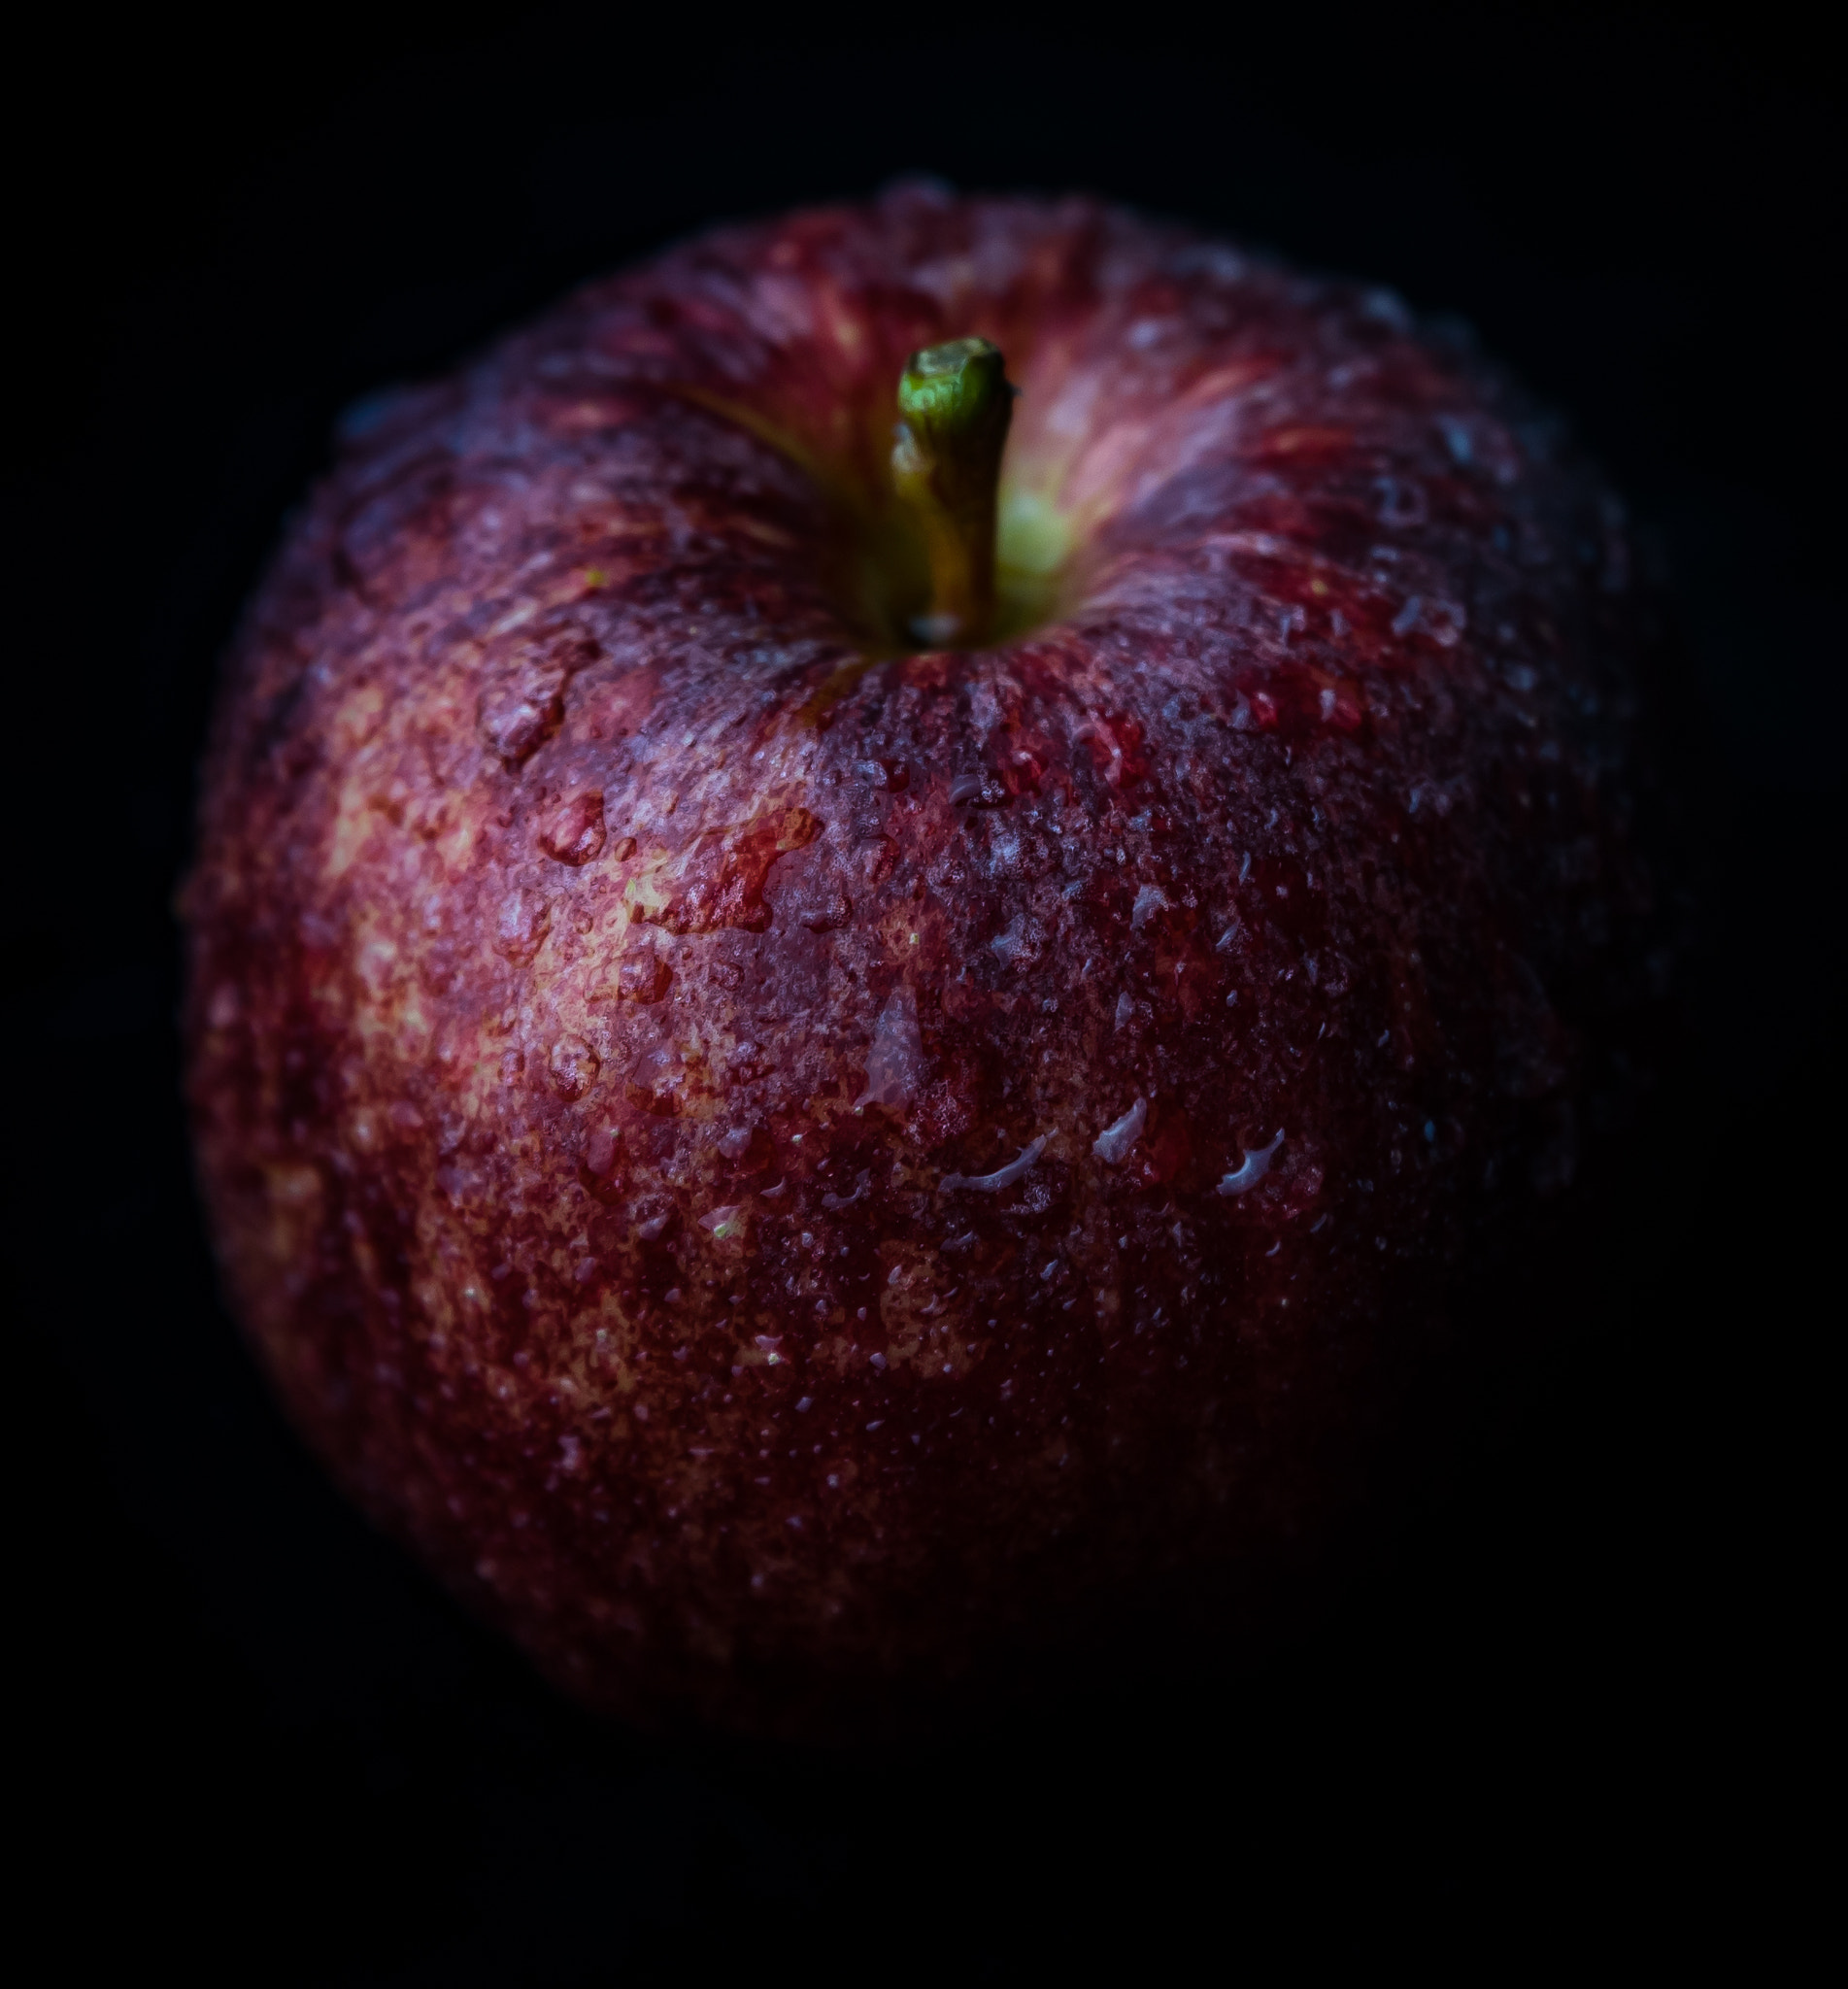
x=954 y=407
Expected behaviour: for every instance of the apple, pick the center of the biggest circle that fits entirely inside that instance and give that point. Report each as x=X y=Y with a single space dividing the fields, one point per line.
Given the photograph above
x=873 y=913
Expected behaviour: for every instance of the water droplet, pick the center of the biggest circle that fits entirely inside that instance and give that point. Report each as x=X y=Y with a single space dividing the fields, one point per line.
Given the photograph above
x=656 y=1079
x=1114 y=1142
x=825 y=907
x=984 y=787
x=520 y=930
x=894 y=1065
x=574 y=1066
x=518 y=715
x=573 y=832
x=1002 y=1177
x=1255 y=1165
x=643 y=977
x=861 y=1185
x=1005 y=945
x=1150 y=899
x=728 y=1225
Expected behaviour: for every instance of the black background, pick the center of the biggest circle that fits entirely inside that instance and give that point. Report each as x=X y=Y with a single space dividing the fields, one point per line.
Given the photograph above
x=1565 y=1713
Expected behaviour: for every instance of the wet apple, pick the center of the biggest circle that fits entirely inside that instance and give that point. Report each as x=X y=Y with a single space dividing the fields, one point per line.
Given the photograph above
x=871 y=914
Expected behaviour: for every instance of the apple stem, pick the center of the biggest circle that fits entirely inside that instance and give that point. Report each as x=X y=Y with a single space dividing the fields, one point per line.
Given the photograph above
x=954 y=407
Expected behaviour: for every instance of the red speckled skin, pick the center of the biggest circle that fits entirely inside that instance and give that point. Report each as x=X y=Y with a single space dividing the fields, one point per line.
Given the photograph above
x=559 y=857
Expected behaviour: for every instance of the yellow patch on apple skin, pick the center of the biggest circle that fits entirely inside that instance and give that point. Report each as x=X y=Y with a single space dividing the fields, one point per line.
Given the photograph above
x=648 y=888
x=376 y=954
x=456 y=845
x=358 y=719
x=354 y=821
x=295 y=1194
x=919 y=1313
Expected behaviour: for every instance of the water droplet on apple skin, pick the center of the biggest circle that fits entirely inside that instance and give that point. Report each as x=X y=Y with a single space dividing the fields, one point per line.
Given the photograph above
x=573 y=1068
x=573 y=832
x=746 y=1148
x=896 y=1063
x=651 y=1218
x=658 y=1081
x=520 y=713
x=522 y=926
x=1114 y=1142
x=643 y=977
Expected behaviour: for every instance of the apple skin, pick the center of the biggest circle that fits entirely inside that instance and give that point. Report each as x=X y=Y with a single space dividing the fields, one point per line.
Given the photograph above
x=610 y=994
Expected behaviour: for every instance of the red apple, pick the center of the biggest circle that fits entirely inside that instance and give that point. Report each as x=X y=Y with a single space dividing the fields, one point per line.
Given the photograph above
x=786 y=1162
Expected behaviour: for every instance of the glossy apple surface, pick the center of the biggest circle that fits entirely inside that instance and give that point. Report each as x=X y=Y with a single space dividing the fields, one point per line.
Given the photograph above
x=784 y=1165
